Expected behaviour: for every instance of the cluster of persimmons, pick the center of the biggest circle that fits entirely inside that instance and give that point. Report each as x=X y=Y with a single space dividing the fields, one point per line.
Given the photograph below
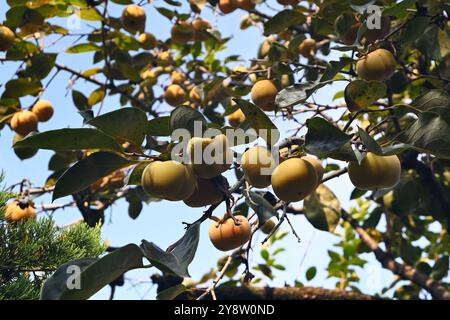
x=294 y=177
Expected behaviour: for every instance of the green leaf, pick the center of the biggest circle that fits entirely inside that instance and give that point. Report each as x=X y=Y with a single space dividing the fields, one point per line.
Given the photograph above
x=283 y=20
x=79 y=100
x=129 y=124
x=135 y=176
x=399 y=9
x=410 y=253
x=21 y=50
x=298 y=93
x=95 y=274
x=374 y=218
x=415 y=29
x=428 y=43
x=61 y=160
x=41 y=65
x=172 y=292
x=96 y=96
x=82 y=48
x=134 y=205
x=322 y=209
x=258 y=120
x=159 y=126
x=295 y=42
x=178 y=257
x=334 y=68
x=55 y=286
x=169 y=14
x=184 y=117
x=279 y=267
x=324 y=140
x=360 y=5
x=357 y=193
x=369 y=142
x=261 y=206
x=70 y=139
x=395 y=148
x=435 y=100
x=123 y=1
x=265 y=254
x=126 y=42
x=430 y=133
x=443 y=38
x=16 y=3
x=311 y=273
x=440 y=268
x=88 y=170
x=15 y=17
x=360 y=94
x=90 y=14
x=87 y=115
x=22 y=87
x=128 y=71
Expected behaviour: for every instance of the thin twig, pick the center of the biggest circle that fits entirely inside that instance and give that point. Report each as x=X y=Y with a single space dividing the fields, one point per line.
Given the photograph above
x=272 y=232
x=293 y=230
x=217 y=279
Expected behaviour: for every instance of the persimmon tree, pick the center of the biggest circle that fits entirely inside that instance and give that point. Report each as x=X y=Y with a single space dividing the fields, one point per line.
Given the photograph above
x=389 y=130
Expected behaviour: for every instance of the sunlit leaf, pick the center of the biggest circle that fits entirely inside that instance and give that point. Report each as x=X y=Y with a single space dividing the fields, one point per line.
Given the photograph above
x=259 y=121
x=128 y=124
x=323 y=209
x=283 y=20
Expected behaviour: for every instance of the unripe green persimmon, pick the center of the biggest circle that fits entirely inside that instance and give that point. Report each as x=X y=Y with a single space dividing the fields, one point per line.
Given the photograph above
x=205 y=193
x=43 y=109
x=7 y=38
x=375 y=172
x=307 y=48
x=147 y=41
x=317 y=165
x=294 y=179
x=182 y=32
x=236 y=118
x=23 y=153
x=264 y=48
x=200 y=26
x=169 y=180
x=174 y=95
x=210 y=156
x=133 y=19
x=23 y=122
x=263 y=94
x=177 y=77
x=376 y=65
x=254 y=161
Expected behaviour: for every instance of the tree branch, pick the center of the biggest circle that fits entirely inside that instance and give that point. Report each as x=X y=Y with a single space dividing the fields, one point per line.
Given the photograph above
x=406 y=272
x=286 y=293
x=109 y=86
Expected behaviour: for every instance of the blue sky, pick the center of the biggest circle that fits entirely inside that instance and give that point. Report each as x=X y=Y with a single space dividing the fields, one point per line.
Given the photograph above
x=160 y=222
